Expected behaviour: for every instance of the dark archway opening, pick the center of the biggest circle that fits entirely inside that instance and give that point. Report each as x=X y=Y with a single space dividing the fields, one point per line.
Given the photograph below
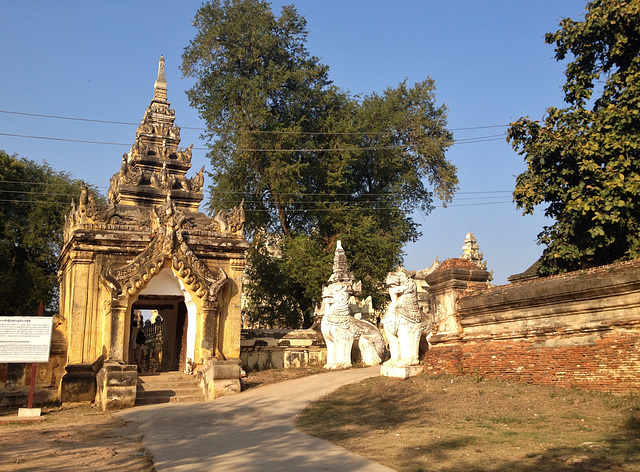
x=164 y=324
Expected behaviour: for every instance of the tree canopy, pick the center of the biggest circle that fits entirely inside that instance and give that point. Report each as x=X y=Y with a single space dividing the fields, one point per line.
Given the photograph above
x=312 y=163
x=583 y=160
x=34 y=202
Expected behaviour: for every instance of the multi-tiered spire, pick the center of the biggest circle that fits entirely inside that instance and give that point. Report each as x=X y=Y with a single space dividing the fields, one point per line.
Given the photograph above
x=155 y=167
x=341 y=272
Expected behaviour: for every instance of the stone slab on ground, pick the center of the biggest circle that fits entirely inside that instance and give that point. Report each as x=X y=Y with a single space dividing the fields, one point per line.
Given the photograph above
x=29 y=412
x=401 y=372
x=251 y=431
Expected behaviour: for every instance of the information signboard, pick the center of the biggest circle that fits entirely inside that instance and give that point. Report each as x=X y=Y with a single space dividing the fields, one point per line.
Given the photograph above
x=25 y=339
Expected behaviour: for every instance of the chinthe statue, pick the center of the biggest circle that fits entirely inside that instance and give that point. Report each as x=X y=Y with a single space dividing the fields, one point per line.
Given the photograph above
x=341 y=330
x=404 y=324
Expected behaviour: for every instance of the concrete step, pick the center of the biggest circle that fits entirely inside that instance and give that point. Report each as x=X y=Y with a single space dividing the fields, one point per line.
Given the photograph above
x=166 y=377
x=160 y=400
x=168 y=387
x=169 y=392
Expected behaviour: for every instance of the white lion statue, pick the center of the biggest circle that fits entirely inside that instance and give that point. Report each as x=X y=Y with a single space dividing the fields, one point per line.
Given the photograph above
x=404 y=323
x=340 y=330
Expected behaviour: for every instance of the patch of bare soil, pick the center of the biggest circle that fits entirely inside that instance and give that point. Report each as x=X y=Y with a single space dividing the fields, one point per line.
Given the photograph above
x=82 y=437
x=257 y=378
x=465 y=424
x=72 y=438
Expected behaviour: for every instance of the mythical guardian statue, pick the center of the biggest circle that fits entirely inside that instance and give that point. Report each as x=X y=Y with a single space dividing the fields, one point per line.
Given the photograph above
x=404 y=323
x=340 y=330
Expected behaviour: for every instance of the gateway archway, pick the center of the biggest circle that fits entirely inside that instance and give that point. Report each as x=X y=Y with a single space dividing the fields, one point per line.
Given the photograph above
x=169 y=318
x=150 y=247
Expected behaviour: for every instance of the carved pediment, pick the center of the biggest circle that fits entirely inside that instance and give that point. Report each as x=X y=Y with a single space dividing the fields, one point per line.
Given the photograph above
x=167 y=244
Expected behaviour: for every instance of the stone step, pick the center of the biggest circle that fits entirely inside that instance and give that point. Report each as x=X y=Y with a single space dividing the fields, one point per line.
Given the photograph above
x=165 y=377
x=169 y=392
x=168 y=387
x=159 y=400
x=150 y=386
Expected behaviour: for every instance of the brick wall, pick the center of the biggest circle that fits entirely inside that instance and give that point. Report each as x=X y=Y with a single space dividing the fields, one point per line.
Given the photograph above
x=577 y=330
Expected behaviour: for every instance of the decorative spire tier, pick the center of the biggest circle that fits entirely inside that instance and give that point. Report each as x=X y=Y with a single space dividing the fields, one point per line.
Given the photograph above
x=155 y=166
x=341 y=272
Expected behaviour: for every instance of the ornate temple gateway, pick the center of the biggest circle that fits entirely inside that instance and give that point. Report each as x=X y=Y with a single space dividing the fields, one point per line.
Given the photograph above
x=150 y=248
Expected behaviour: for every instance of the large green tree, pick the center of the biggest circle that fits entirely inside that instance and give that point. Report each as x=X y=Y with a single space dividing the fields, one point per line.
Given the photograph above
x=583 y=160
x=312 y=163
x=34 y=200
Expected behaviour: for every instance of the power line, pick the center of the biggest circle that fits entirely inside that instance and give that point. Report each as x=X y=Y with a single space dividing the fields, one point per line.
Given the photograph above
x=26 y=192
x=39 y=202
x=480 y=195
x=39 y=115
x=350 y=205
x=62 y=139
x=479 y=139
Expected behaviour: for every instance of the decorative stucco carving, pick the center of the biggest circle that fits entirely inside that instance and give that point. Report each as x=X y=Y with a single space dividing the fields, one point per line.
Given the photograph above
x=88 y=211
x=155 y=164
x=231 y=222
x=162 y=180
x=167 y=244
x=471 y=252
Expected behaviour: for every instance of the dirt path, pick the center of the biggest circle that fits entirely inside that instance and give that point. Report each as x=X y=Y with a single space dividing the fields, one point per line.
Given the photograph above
x=251 y=431
x=81 y=437
x=74 y=439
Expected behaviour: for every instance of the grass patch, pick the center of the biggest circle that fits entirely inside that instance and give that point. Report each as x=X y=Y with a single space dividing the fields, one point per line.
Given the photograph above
x=469 y=425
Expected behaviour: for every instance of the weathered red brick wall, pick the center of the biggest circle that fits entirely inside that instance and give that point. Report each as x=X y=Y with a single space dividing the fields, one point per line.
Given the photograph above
x=579 y=330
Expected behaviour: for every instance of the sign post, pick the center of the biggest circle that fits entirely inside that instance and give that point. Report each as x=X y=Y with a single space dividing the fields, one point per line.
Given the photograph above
x=34 y=372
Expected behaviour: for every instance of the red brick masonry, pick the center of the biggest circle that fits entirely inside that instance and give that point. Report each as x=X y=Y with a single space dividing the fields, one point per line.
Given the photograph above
x=580 y=329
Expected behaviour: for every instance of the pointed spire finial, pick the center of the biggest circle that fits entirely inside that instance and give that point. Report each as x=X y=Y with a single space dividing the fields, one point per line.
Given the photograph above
x=161 y=81
x=160 y=87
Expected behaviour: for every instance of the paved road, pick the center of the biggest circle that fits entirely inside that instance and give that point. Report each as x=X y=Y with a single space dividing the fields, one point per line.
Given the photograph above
x=251 y=431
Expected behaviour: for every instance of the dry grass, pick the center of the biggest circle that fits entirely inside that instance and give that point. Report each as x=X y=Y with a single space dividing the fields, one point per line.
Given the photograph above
x=470 y=425
x=421 y=424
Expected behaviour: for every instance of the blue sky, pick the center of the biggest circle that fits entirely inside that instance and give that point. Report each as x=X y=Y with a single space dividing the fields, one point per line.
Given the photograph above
x=488 y=59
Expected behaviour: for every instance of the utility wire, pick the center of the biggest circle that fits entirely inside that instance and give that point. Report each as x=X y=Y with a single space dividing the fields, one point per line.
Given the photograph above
x=480 y=139
x=482 y=192
x=298 y=210
x=204 y=129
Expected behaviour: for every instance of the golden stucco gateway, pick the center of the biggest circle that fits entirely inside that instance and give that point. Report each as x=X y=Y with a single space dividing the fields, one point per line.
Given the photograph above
x=150 y=247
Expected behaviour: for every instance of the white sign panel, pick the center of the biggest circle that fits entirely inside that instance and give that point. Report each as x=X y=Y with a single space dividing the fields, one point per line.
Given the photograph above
x=25 y=338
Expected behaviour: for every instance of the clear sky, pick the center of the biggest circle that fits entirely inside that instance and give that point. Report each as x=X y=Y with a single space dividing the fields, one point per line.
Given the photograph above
x=98 y=61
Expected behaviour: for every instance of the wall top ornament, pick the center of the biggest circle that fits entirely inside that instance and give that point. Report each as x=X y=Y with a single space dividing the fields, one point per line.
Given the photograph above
x=471 y=252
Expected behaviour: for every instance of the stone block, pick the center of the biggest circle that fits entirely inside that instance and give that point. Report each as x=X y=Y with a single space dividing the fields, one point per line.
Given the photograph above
x=401 y=372
x=229 y=369
x=221 y=377
x=29 y=412
x=117 y=385
x=78 y=384
x=221 y=388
